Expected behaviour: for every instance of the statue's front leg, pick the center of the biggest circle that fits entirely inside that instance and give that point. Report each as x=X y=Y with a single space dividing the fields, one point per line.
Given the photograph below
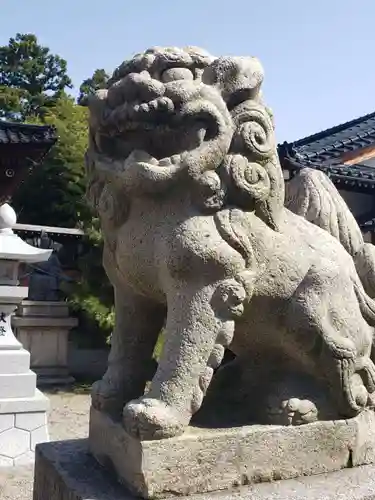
x=200 y=324
x=138 y=322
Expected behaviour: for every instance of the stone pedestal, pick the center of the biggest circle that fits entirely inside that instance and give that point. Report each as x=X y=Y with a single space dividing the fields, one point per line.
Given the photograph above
x=43 y=329
x=205 y=460
x=65 y=471
x=23 y=421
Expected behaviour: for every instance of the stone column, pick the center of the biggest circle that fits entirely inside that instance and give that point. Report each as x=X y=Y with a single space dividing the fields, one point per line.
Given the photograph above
x=23 y=418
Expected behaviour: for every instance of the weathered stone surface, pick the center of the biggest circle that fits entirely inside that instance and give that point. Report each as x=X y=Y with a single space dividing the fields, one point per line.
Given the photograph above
x=66 y=471
x=207 y=460
x=312 y=195
x=184 y=173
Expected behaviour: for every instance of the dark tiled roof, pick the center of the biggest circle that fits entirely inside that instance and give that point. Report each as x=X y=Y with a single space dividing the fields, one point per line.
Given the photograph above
x=324 y=149
x=333 y=142
x=22 y=147
x=21 y=133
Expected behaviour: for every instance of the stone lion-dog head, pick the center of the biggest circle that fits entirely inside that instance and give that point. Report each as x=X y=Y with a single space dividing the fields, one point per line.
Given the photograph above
x=171 y=113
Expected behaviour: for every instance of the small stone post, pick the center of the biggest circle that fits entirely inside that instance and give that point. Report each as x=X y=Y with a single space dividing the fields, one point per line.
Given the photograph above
x=23 y=420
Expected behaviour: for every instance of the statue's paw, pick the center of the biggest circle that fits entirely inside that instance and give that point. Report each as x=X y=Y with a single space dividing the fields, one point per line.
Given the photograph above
x=107 y=397
x=147 y=419
x=293 y=411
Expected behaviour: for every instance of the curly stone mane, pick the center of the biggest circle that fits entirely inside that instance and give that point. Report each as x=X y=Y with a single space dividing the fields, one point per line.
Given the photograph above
x=244 y=172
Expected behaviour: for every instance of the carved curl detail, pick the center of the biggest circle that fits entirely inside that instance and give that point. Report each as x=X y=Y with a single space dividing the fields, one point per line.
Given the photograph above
x=249 y=181
x=254 y=134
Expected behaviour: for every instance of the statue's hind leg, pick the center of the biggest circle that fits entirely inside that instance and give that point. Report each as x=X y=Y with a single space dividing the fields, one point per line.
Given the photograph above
x=199 y=326
x=138 y=322
x=332 y=341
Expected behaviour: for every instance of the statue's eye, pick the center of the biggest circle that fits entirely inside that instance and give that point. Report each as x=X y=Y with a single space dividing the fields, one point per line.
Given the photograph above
x=238 y=97
x=173 y=74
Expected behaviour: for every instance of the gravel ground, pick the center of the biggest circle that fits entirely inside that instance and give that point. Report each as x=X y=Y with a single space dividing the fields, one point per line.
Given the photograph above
x=68 y=419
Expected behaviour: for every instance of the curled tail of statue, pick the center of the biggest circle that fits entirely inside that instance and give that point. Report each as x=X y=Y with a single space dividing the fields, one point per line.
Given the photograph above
x=312 y=195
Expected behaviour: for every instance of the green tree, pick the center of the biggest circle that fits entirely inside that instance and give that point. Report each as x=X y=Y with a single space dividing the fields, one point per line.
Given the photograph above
x=31 y=78
x=53 y=194
x=32 y=89
x=97 y=81
x=92 y=298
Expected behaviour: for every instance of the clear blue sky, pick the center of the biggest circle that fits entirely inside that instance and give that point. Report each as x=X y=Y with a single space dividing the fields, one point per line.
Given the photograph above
x=318 y=55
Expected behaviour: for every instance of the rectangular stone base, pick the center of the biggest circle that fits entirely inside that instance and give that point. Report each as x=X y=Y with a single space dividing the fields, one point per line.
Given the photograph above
x=204 y=460
x=65 y=471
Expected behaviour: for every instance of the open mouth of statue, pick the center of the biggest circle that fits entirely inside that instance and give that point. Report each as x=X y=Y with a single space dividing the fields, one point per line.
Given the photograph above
x=160 y=128
x=135 y=116
x=148 y=116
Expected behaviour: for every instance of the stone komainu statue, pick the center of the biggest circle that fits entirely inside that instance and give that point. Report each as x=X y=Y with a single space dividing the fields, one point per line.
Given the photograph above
x=184 y=173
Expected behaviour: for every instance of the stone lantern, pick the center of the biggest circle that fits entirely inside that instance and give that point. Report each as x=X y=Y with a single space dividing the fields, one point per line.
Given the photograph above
x=23 y=421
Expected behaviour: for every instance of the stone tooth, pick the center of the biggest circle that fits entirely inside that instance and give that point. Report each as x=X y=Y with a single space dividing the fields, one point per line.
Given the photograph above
x=175 y=159
x=144 y=107
x=165 y=162
x=153 y=105
x=153 y=161
x=165 y=104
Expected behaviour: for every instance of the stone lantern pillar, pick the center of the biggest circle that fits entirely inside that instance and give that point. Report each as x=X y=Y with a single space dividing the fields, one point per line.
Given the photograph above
x=23 y=421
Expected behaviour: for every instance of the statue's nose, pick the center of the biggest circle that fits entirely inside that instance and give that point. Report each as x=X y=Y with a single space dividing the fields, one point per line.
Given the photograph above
x=142 y=87
x=181 y=90
x=135 y=87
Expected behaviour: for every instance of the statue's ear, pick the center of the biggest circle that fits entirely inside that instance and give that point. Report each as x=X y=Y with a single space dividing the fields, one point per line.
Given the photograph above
x=237 y=78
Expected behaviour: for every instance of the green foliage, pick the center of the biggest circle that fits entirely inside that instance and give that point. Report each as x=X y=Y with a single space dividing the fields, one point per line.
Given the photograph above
x=32 y=89
x=159 y=346
x=93 y=296
x=89 y=86
x=10 y=102
x=53 y=195
x=31 y=78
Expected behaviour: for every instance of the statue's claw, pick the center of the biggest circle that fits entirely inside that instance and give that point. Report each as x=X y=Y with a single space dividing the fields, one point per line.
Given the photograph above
x=147 y=419
x=293 y=411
